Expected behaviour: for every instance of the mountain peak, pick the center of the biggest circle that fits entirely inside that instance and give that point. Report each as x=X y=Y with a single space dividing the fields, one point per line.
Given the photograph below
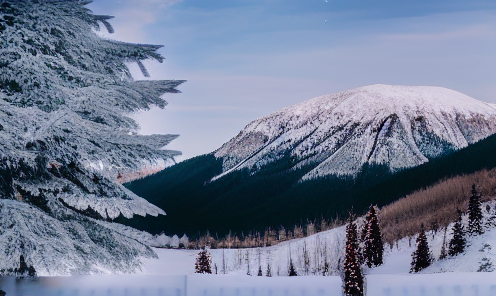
x=394 y=125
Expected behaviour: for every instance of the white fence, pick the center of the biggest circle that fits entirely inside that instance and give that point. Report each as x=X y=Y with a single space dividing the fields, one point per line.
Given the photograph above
x=458 y=284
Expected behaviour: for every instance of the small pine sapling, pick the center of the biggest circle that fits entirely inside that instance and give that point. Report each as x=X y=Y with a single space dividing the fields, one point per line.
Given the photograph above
x=491 y=218
x=457 y=242
x=421 y=257
x=203 y=262
x=325 y=270
x=292 y=271
x=260 y=271
x=269 y=272
x=485 y=264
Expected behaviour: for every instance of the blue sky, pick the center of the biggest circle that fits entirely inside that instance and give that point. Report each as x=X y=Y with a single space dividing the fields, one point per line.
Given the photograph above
x=248 y=58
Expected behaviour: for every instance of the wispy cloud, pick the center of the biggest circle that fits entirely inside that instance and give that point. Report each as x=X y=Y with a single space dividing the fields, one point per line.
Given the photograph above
x=477 y=31
x=132 y=16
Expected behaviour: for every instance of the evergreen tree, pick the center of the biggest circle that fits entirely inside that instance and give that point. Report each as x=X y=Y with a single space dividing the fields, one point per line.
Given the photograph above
x=292 y=271
x=485 y=264
x=374 y=248
x=203 y=262
x=353 y=278
x=269 y=272
x=260 y=271
x=491 y=219
x=67 y=140
x=457 y=242
x=421 y=257
x=474 y=212
x=24 y=270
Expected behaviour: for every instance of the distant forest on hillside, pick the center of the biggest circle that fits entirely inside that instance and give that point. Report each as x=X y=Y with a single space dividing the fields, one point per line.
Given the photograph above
x=274 y=196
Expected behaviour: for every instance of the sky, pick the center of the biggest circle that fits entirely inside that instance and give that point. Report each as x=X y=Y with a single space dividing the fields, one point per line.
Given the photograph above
x=244 y=59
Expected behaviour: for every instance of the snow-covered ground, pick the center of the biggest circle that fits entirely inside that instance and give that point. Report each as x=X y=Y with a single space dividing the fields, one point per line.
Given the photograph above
x=173 y=272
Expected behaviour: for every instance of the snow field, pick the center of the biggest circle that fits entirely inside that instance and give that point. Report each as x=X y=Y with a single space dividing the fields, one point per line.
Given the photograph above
x=441 y=284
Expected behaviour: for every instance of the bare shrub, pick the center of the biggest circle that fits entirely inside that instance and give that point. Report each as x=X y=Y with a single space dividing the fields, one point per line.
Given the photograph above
x=434 y=206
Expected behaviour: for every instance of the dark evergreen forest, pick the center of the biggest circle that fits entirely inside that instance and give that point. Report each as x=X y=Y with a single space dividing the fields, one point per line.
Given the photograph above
x=274 y=196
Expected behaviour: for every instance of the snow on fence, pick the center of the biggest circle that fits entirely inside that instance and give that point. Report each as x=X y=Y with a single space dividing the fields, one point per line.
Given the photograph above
x=444 y=284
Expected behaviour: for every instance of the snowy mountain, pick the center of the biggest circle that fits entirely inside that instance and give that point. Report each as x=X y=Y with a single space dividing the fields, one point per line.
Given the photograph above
x=397 y=126
x=279 y=169
x=66 y=141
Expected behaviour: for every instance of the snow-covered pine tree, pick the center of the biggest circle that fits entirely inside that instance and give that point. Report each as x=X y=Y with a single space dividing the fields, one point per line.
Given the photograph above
x=66 y=140
x=203 y=262
x=260 y=271
x=474 y=212
x=491 y=219
x=269 y=271
x=353 y=278
x=457 y=242
x=292 y=270
x=373 y=247
x=485 y=264
x=421 y=257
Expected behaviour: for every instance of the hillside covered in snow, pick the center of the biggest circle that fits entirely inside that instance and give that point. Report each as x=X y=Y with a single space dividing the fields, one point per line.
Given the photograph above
x=329 y=246
x=66 y=140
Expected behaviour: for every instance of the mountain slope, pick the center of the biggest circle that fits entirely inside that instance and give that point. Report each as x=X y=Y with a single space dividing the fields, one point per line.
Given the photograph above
x=66 y=139
x=275 y=196
x=398 y=126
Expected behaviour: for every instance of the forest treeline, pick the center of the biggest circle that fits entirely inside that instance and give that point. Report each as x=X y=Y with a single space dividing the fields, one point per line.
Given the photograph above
x=267 y=238
x=436 y=206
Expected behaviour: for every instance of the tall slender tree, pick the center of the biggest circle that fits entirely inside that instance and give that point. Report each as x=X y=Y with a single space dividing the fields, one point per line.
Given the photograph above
x=306 y=259
x=475 y=212
x=457 y=242
x=374 y=248
x=353 y=278
x=444 y=253
x=421 y=257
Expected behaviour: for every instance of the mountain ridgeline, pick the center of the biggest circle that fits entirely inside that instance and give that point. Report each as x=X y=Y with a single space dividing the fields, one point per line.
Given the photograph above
x=219 y=193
